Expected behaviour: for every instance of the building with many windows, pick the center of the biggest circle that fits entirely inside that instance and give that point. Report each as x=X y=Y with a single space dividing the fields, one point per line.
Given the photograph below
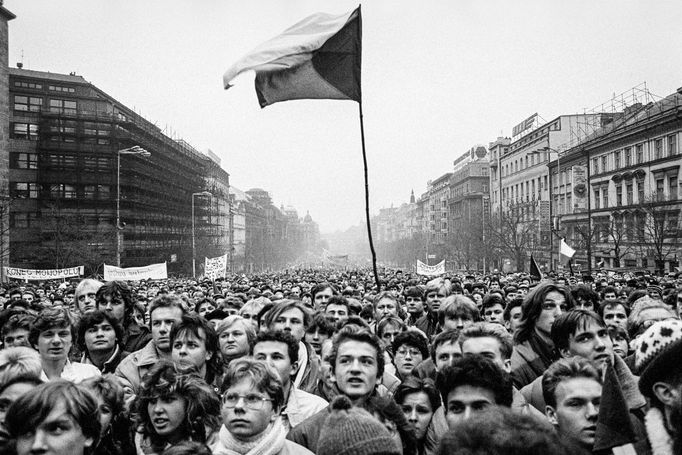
x=626 y=199
x=79 y=193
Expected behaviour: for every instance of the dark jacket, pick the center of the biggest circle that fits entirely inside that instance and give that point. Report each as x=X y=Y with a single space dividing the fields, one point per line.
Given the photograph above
x=526 y=364
x=428 y=324
x=135 y=337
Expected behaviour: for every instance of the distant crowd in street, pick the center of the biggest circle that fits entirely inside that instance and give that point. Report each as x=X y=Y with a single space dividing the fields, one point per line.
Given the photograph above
x=324 y=361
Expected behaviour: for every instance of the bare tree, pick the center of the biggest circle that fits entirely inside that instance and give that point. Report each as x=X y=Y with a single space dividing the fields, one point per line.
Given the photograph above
x=514 y=233
x=657 y=227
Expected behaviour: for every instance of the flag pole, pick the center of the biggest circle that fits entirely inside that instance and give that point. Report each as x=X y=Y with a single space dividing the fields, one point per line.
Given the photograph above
x=369 y=227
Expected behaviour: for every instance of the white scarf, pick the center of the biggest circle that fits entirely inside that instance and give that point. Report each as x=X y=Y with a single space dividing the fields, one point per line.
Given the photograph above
x=269 y=442
x=660 y=440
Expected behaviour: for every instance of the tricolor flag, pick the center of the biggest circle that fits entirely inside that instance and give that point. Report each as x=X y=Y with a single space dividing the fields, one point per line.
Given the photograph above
x=565 y=251
x=318 y=58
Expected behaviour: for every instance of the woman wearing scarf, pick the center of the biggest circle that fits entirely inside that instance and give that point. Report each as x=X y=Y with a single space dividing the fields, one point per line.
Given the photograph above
x=252 y=400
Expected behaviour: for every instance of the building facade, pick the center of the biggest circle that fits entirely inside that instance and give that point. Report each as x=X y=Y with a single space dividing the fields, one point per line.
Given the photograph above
x=78 y=197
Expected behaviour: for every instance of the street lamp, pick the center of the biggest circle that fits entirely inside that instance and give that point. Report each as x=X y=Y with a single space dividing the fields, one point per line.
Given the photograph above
x=194 y=265
x=135 y=150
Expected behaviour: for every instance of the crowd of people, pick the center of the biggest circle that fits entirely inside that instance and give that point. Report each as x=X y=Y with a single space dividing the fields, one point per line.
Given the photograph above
x=326 y=362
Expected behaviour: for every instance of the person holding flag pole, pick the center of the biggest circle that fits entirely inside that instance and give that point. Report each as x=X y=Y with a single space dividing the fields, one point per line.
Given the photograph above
x=316 y=58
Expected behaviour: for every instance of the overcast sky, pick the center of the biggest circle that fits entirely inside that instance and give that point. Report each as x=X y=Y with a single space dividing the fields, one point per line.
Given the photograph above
x=438 y=78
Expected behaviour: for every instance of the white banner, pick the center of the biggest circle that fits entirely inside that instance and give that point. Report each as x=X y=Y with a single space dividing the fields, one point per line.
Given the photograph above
x=148 y=272
x=430 y=270
x=48 y=274
x=215 y=267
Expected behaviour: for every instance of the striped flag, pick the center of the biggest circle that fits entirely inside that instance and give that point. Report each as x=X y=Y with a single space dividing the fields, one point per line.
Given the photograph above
x=317 y=58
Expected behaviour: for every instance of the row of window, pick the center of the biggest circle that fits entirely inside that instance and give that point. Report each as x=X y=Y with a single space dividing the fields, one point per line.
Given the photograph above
x=34 y=104
x=633 y=155
x=28 y=85
x=61 y=88
x=26 y=190
x=625 y=192
x=531 y=159
x=529 y=190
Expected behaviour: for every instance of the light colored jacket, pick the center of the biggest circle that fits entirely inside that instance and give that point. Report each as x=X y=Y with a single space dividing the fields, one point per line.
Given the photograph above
x=300 y=406
x=132 y=369
x=75 y=372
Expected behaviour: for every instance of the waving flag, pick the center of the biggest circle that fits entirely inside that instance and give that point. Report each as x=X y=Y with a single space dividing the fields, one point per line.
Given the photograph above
x=565 y=251
x=535 y=272
x=317 y=58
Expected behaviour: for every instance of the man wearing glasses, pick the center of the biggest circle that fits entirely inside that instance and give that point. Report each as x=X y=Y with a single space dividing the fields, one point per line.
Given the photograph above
x=251 y=409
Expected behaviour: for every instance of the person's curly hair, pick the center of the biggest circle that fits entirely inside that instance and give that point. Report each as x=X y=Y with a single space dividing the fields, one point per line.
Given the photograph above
x=166 y=380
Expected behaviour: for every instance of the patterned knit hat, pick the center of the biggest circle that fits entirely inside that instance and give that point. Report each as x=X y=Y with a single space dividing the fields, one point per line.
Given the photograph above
x=353 y=431
x=660 y=347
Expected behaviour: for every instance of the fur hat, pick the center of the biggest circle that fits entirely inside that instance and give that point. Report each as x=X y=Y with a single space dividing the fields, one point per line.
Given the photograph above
x=350 y=430
x=659 y=348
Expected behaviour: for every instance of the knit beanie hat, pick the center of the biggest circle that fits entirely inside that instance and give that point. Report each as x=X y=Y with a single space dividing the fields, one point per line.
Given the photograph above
x=659 y=350
x=350 y=430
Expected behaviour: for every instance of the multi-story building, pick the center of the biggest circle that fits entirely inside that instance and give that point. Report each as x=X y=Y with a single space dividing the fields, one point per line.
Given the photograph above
x=522 y=204
x=624 y=179
x=81 y=197
x=437 y=211
x=469 y=209
x=238 y=202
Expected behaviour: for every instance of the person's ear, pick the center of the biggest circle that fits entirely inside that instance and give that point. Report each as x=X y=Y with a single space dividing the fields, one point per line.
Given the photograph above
x=565 y=353
x=89 y=442
x=550 y=413
x=507 y=365
x=665 y=393
x=294 y=368
x=209 y=354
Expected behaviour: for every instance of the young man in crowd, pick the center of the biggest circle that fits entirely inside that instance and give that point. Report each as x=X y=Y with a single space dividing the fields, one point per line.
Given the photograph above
x=444 y=351
x=473 y=384
x=414 y=303
x=492 y=308
x=513 y=314
x=572 y=389
x=338 y=309
x=280 y=350
x=582 y=333
x=357 y=364
x=15 y=331
x=493 y=342
x=164 y=312
x=52 y=334
x=292 y=317
x=614 y=312
x=321 y=329
x=99 y=339
x=116 y=298
x=436 y=291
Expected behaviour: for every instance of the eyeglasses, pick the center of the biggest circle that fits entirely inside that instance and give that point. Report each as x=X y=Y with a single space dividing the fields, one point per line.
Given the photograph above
x=403 y=352
x=251 y=400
